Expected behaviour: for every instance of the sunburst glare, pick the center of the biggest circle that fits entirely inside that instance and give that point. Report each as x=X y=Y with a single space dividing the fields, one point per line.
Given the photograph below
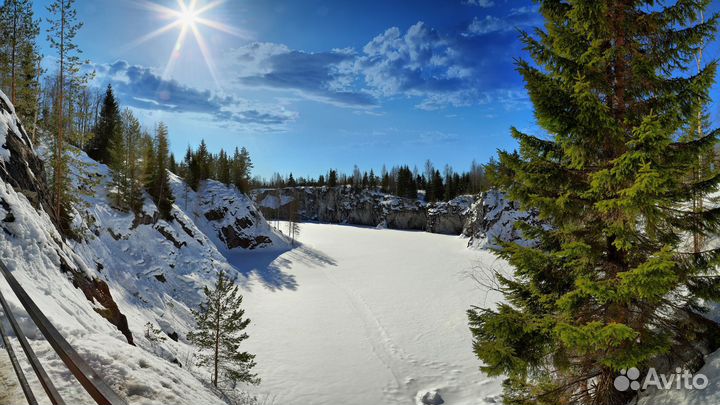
x=187 y=17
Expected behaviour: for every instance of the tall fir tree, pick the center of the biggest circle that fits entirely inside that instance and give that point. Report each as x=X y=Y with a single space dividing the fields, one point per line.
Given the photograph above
x=332 y=178
x=220 y=331
x=610 y=284
x=107 y=128
x=125 y=152
x=159 y=180
x=204 y=161
x=241 y=169
x=147 y=146
x=223 y=168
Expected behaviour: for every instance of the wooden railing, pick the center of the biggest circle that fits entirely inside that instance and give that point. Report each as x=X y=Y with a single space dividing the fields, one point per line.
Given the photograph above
x=93 y=384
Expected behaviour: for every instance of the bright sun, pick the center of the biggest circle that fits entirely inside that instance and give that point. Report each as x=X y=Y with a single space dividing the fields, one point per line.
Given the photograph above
x=188 y=16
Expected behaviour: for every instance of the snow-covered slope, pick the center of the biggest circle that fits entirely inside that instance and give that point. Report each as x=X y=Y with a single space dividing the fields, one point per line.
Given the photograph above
x=125 y=272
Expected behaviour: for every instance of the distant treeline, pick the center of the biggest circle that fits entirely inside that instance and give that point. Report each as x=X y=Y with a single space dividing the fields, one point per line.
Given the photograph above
x=399 y=180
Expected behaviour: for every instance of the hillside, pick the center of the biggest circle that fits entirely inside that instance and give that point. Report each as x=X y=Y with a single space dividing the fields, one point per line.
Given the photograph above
x=126 y=271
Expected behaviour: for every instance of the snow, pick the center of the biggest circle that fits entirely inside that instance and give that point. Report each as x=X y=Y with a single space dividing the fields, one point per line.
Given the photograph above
x=215 y=197
x=31 y=248
x=10 y=391
x=9 y=123
x=708 y=396
x=365 y=316
x=128 y=257
x=495 y=217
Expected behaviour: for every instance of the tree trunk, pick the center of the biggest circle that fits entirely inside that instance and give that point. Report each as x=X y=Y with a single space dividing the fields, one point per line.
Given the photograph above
x=12 y=54
x=59 y=144
x=37 y=102
x=697 y=174
x=217 y=342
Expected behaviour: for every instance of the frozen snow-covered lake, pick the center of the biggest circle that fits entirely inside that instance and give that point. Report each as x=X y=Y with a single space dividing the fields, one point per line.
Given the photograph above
x=366 y=316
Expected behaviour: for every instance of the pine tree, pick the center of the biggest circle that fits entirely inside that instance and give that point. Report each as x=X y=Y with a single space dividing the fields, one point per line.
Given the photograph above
x=125 y=153
x=291 y=181
x=437 y=188
x=172 y=164
x=63 y=28
x=220 y=331
x=332 y=178
x=159 y=184
x=609 y=284
x=147 y=146
x=241 y=167
x=202 y=156
x=224 y=176
x=19 y=59
x=107 y=129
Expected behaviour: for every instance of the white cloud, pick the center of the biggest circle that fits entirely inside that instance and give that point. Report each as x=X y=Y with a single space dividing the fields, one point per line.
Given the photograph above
x=479 y=3
x=482 y=26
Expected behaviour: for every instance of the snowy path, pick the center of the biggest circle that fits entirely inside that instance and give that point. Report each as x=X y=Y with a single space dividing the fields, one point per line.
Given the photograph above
x=365 y=316
x=10 y=392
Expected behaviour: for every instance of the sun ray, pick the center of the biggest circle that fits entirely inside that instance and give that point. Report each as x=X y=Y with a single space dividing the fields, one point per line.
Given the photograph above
x=221 y=27
x=151 y=35
x=209 y=6
x=206 y=54
x=175 y=54
x=188 y=16
x=158 y=8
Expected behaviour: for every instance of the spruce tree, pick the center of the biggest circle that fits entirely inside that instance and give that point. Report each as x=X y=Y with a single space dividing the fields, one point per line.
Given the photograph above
x=125 y=150
x=203 y=158
x=436 y=187
x=241 y=167
x=223 y=168
x=610 y=283
x=172 y=164
x=107 y=129
x=159 y=182
x=220 y=332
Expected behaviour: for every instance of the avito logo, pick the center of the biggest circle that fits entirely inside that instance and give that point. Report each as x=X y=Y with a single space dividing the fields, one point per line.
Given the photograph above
x=682 y=379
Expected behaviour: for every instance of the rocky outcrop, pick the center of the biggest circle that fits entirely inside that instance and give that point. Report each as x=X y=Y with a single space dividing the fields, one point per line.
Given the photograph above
x=492 y=218
x=19 y=164
x=345 y=205
x=227 y=216
x=483 y=218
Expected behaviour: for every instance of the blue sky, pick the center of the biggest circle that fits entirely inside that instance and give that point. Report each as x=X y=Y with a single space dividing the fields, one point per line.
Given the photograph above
x=316 y=84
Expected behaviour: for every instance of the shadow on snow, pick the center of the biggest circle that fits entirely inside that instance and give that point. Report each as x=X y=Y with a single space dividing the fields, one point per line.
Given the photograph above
x=270 y=267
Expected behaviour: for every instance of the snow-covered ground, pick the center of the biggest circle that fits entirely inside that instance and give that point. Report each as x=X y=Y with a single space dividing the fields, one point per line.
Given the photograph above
x=10 y=391
x=366 y=316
